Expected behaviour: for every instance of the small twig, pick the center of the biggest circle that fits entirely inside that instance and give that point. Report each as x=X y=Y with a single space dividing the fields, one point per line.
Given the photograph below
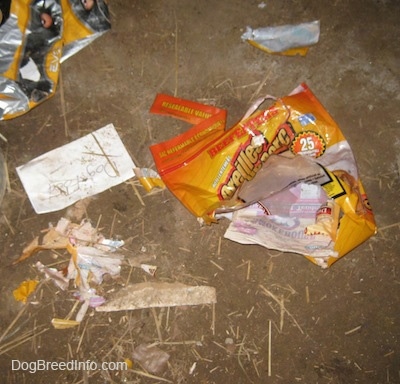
x=248 y=270
x=353 y=330
x=250 y=312
x=176 y=55
x=269 y=347
x=283 y=308
x=136 y=192
x=257 y=91
x=167 y=318
x=218 y=266
x=213 y=319
x=19 y=314
x=81 y=338
x=112 y=225
x=8 y=224
x=105 y=155
x=14 y=344
x=389 y=226
x=98 y=222
x=240 y=361
x=150 y=376
x=156 y=320
x=63 y=110
x=71 y=312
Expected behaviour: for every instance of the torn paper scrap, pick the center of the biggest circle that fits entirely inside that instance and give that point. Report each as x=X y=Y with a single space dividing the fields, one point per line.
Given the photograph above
x=82 y=168
x=158 y=294
x=284 y=39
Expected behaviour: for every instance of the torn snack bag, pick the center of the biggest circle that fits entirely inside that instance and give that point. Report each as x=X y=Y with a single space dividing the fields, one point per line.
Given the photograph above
x=36 y=37
x=288 y=40
x=205 y=166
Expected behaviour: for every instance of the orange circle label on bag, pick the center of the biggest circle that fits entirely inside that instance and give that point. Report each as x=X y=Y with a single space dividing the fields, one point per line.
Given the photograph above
x=308 y=143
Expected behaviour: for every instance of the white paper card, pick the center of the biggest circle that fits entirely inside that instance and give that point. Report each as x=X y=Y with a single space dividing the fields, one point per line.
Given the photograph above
x=79 y=169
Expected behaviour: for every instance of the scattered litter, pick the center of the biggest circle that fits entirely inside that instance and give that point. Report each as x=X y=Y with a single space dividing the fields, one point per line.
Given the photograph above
x=51 y=273
x=284 y=220
x=92 y=257
x=150 y=269
x=149 y=178
x=79 y=169
x=280 y=153
x=192 y=368
x=25 y=289
x=62 y=235
x=33 y=46
x=152 y=358
x=158 y=294
x=93 y=263
x=137 y=261
x=64 y=323
x=286 y=40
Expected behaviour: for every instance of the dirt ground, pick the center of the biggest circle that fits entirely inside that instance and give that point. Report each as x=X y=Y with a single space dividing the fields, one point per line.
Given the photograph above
x=339 y=325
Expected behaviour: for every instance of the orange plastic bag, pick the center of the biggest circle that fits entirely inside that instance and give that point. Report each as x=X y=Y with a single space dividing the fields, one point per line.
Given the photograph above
x=205 y=166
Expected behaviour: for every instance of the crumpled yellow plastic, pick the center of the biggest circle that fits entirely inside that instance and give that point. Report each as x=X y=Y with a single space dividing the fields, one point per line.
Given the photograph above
x=25 y=289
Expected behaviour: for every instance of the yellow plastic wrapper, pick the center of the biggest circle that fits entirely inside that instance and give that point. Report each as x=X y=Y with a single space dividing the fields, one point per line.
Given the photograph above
x=25 y=289
x=36 y=36
x=205 y=166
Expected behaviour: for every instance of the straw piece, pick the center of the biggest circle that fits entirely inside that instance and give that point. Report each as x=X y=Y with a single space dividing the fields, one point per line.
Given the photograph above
x=269 y=347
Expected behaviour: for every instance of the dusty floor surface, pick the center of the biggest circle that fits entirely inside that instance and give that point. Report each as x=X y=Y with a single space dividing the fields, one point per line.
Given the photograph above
x=341 y=325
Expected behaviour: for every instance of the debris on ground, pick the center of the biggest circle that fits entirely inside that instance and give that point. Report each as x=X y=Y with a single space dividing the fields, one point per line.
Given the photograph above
x=214 y=171
x=288 y=40
x=77 y=170
x=3 y=176
x=91 y=257
x=25 y=289
x=158 y=294
x=151 y=358
x=149 y=178
x=35 y=38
